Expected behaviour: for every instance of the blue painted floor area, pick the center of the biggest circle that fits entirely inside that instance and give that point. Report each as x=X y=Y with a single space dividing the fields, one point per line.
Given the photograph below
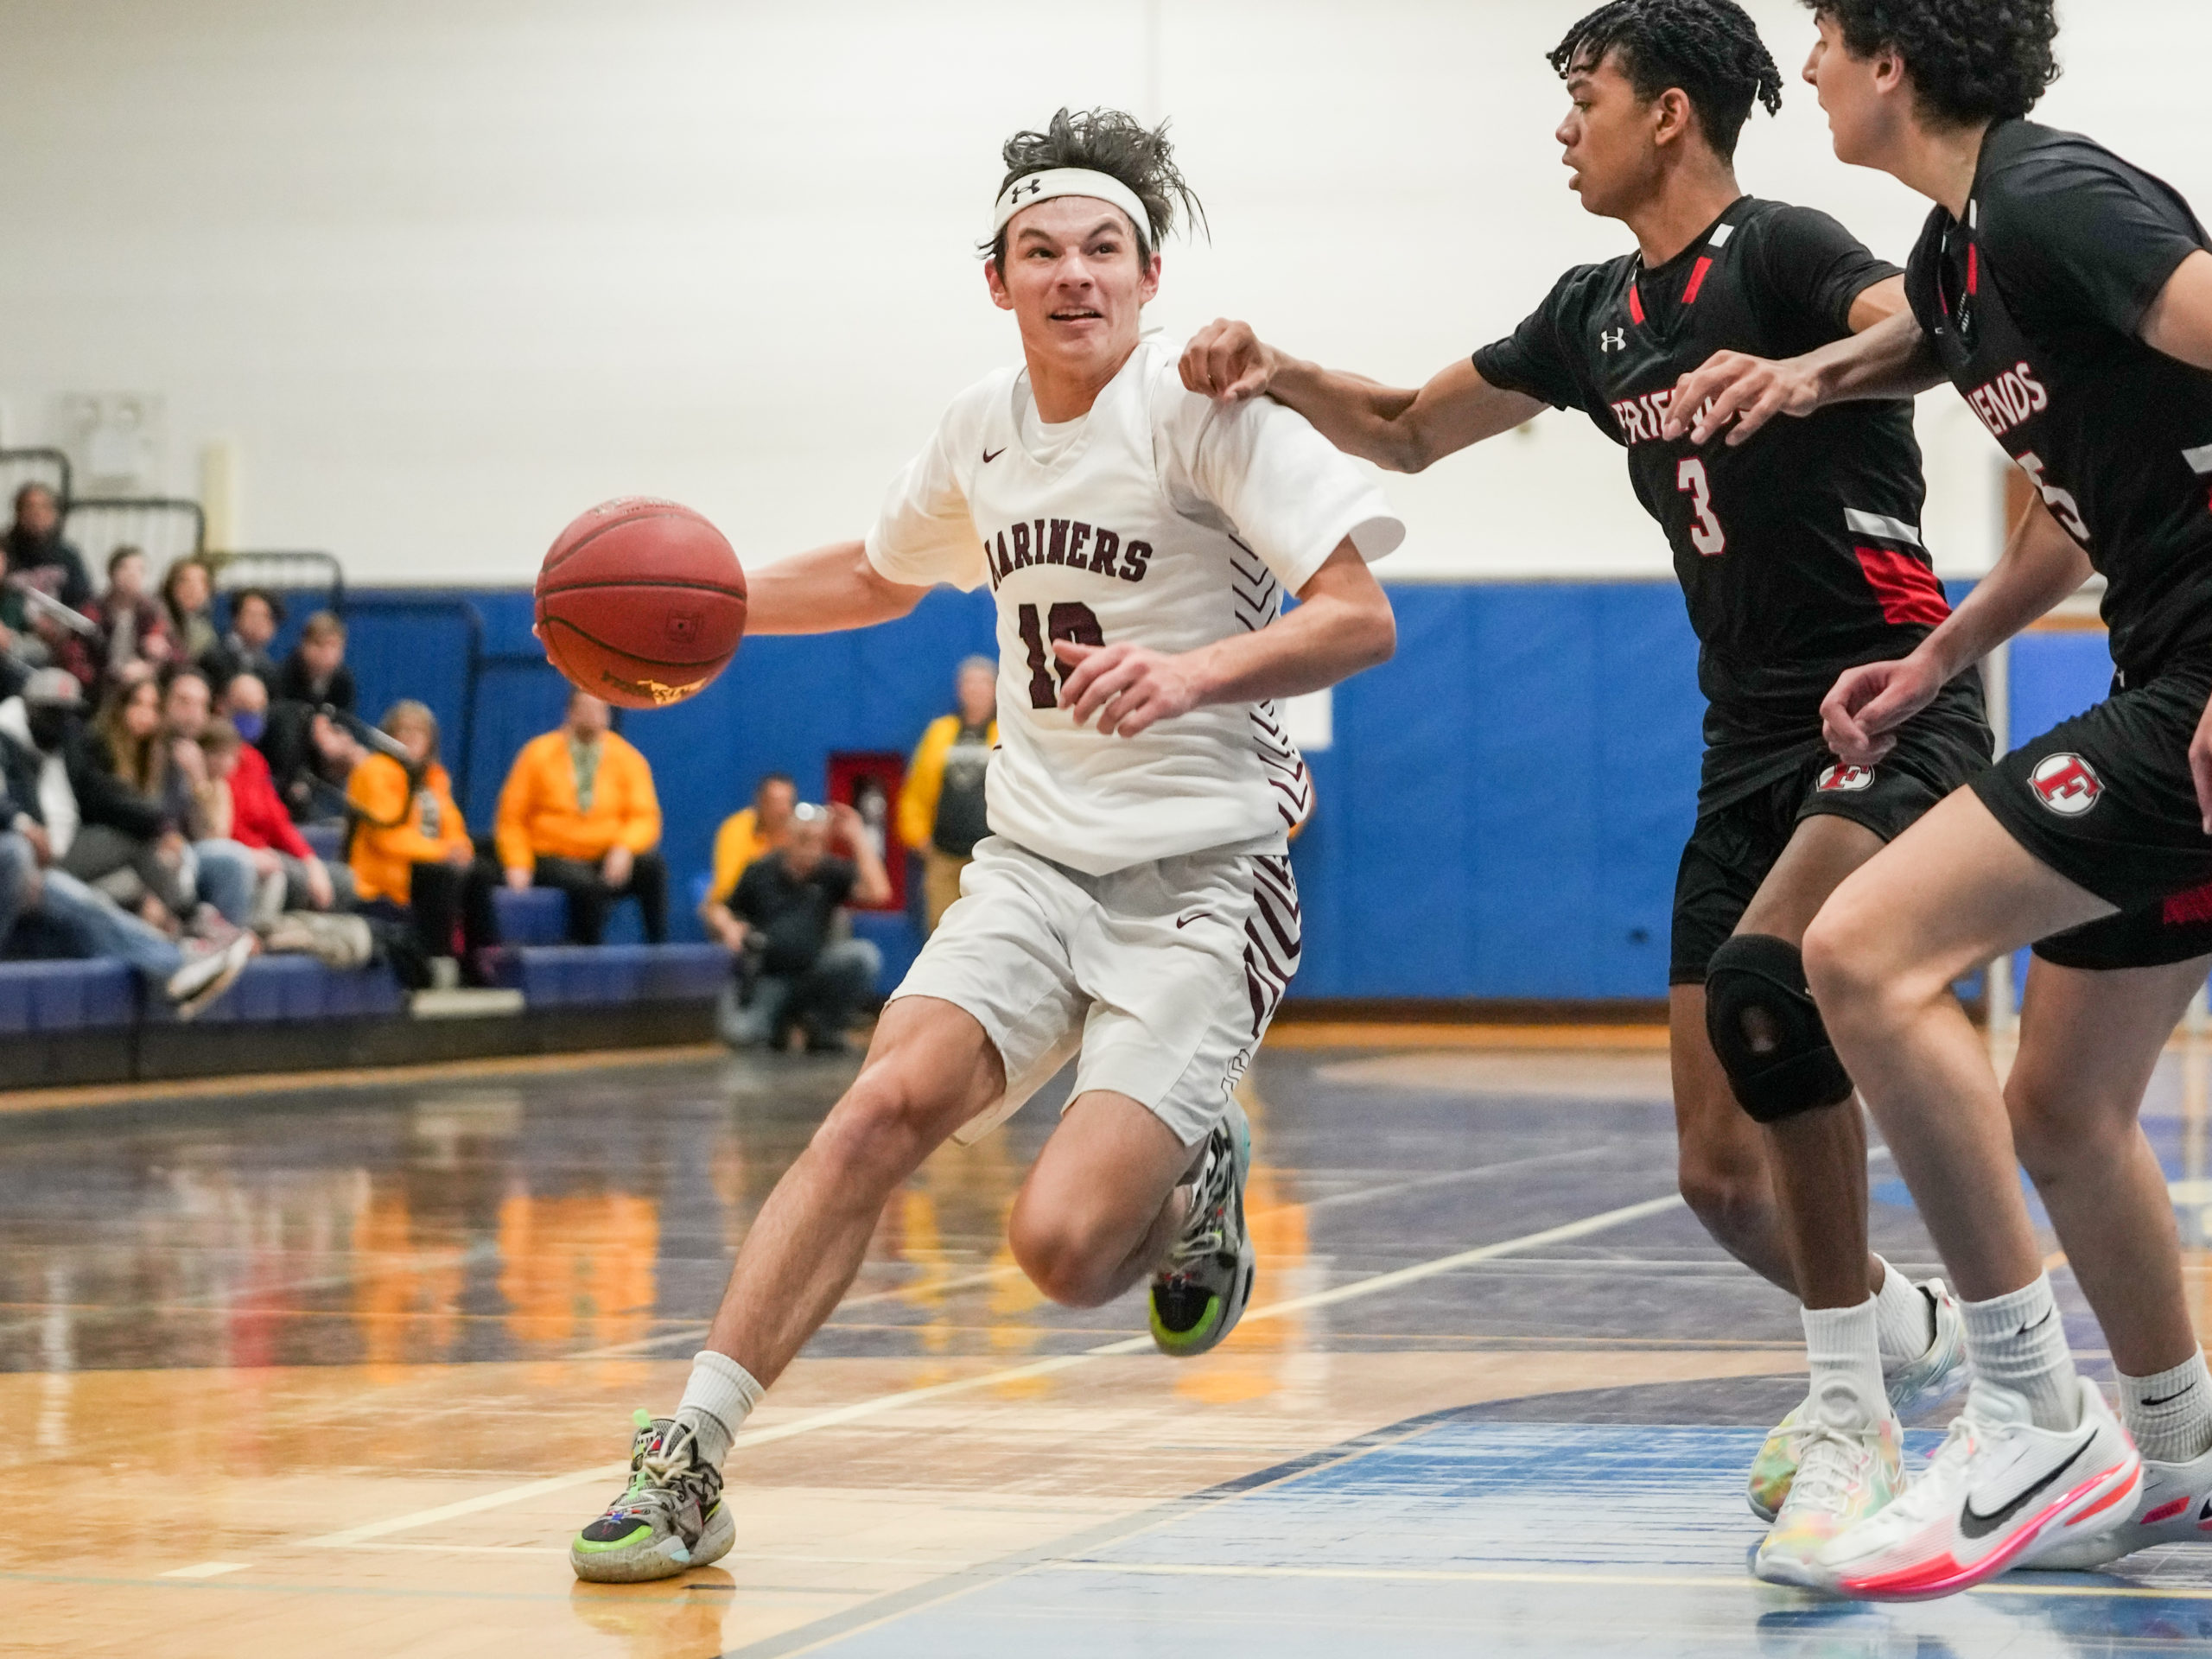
x=1474 y=1537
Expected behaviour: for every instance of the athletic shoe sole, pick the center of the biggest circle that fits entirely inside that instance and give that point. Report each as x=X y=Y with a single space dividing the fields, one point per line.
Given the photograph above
x=666 y=1560
x=2109 y=1489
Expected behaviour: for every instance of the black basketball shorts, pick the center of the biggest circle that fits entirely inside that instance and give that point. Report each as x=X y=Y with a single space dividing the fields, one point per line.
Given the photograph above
x=1734 y=847
x=2107 y=800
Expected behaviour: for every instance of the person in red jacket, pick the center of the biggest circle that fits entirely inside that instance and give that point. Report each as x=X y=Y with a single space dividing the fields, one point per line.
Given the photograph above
x=259 y=821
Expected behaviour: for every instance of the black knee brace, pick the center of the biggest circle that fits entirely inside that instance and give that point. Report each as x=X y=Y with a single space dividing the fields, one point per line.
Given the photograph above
x=1760 y=1015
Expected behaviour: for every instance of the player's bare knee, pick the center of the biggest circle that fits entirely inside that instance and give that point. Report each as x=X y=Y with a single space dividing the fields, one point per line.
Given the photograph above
x=2059 y=1129
x=1067 y=1263
x=1848 y=964
x=879 y=1133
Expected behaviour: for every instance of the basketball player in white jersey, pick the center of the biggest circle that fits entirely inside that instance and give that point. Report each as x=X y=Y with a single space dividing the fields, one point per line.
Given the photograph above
x=1133 y=907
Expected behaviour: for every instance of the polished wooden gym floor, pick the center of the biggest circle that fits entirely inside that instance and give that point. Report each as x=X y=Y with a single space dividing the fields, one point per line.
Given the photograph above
x=336 y=1370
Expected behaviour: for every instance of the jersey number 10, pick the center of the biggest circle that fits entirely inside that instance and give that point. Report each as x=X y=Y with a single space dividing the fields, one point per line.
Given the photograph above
x=1066 y=620
x=1705 y=534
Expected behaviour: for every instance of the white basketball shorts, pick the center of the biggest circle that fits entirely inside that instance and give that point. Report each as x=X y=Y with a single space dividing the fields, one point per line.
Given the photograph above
x=1162 y=977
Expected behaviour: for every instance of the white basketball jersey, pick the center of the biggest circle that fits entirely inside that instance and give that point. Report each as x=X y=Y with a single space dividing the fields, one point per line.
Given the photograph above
x=1163 y=520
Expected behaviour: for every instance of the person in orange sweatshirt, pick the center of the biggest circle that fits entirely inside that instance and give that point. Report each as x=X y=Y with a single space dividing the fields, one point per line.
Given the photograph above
x=411 y=857
x=579 y=813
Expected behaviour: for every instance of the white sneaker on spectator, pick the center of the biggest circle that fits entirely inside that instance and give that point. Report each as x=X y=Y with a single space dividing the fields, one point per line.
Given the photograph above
x=209 y=970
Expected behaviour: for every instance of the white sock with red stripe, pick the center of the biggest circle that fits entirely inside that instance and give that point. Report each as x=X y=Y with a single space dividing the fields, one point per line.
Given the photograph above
x=2017 y=1342
x=2169 y=1414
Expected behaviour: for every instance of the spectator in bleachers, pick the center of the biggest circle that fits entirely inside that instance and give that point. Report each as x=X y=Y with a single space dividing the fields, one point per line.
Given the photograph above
x=243 y=700
x=315 y=673
x=792 y=973
x=22 y=650
x=229 y=875
x=578 y=813
x=746 y=836
x=37 y=553
x=412 y=859
x=134 y=641
x=46 y=913
x=256 y=615
x=243 y=809
x=941 y=803
x=100 y=830
x=189 y=603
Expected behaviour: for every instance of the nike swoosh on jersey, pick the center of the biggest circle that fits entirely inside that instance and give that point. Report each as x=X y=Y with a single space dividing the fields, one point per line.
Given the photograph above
x=1974 y=1524
x=1195 y=916
x=991 y=456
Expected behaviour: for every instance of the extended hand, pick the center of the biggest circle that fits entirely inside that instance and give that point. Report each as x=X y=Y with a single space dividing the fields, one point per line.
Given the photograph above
x=1128 y=687
x=1859 y=717
x=615 y=867
x=1748 y=392
x=1226 y=360
x=517 y=879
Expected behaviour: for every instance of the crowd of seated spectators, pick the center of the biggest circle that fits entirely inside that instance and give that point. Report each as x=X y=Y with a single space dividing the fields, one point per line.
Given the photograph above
x=159 y=760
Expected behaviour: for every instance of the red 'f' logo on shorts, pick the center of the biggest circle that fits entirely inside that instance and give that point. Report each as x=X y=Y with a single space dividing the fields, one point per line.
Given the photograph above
x=1841 y=779
x=2066 y=783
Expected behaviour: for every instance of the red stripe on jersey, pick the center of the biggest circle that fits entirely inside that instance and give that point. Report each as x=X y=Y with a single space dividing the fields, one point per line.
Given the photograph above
x=1636 y=304
x=1908 y=589
x=1973 y=269
x=1697 y=280
x=2185 y=908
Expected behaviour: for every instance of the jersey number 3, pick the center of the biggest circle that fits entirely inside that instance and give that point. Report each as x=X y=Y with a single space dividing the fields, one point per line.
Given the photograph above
x=1705 y=534
x=1066 y=620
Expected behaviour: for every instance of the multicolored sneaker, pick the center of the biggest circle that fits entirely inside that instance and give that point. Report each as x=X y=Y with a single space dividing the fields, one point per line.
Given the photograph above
x=1199 y=1295
x=670 y=1518
x=1915 y=1387
x=1999 y=1493
x=1850 y=1465
x=2176 y=1508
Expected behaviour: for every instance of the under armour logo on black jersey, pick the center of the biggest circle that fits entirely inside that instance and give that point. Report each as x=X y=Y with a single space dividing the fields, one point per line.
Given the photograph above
x=1613 y=340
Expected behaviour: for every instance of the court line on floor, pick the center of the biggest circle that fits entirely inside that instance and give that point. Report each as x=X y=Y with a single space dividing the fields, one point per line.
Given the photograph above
x=1471 y=1575
x=837 y=1416
x=992 y=1276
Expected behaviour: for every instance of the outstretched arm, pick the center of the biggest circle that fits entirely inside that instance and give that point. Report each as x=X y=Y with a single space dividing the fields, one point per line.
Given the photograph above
x=1404 y=431
x=1737 y=395
x=1343 y=624
x=2041 y=565
x=825 y=591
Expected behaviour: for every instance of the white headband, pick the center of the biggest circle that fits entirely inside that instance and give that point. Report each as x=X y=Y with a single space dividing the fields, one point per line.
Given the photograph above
x=1033 y=187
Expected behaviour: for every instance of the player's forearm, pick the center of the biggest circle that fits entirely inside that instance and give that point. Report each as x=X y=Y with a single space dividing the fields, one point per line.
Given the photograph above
x=1358 y=415
x=2041 y=566
x=1326 y=639
x=824 y=591
x=1891 y=360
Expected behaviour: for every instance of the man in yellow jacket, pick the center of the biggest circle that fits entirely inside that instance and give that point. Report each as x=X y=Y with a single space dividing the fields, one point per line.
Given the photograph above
x=579 y=813
x=941 y=803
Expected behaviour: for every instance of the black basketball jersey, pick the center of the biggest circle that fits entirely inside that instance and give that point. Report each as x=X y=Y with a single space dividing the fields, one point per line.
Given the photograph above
x=2035 y=307
x=1800 y=552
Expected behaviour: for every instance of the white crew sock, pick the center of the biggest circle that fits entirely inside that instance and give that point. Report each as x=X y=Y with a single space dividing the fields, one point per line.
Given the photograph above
x=1904 y=1320
x=2017 y=1342
x=1840 y=1342
x=2170 y=1415
x=718 y=1399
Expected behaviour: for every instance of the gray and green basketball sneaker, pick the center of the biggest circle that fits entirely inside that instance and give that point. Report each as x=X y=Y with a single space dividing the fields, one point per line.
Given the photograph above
x=1198 y=1296
x=668 y=1519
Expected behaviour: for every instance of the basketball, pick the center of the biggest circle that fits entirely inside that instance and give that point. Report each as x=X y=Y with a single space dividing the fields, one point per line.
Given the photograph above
x=641 y=602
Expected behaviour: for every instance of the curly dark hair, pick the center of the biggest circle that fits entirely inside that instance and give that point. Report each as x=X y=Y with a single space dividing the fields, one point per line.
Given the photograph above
x=1118 y=145
x=1709 y=48
x=1970 y=60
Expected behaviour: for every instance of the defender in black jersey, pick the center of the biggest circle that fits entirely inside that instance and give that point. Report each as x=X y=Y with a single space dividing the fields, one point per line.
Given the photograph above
x=2068 y=295
x=1801 y=556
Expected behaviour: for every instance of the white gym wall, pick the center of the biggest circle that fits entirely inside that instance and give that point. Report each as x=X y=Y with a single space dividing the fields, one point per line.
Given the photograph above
x=430 y=276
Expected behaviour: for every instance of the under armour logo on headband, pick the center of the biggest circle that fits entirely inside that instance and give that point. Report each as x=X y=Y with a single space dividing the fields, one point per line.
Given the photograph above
x=1029 y=187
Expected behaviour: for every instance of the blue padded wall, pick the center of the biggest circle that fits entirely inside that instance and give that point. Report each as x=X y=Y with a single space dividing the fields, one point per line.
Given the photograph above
x=1500 y=815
